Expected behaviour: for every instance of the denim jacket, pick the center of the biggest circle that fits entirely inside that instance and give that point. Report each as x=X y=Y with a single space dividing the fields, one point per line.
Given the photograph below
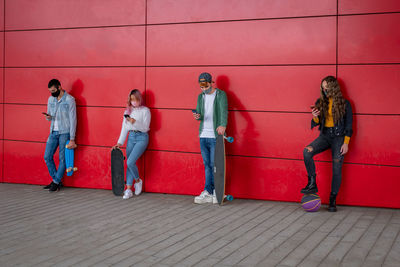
x=64 y=111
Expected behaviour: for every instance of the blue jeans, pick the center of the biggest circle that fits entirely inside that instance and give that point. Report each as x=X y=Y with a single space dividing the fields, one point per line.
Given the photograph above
x=55 y=139
x=207 y=147
x=137 y=144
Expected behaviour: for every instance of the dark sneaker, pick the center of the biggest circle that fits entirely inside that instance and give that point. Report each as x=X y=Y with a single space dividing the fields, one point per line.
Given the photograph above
x=332 y=203
x=54 y=187
x=48 y=186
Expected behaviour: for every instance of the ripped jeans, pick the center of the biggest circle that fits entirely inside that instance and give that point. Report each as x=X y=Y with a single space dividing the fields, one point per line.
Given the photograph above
x=325 y=141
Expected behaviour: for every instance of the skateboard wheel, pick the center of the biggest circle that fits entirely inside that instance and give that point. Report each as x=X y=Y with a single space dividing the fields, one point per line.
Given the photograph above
x=229 y=139
x=72 y=169
x=229 y=197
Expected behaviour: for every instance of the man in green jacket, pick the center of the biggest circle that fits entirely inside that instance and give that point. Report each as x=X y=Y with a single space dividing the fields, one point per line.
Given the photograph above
x=212 y=112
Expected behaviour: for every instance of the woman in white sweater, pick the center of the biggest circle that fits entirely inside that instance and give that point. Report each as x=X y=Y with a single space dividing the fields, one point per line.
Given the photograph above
x=136 y=124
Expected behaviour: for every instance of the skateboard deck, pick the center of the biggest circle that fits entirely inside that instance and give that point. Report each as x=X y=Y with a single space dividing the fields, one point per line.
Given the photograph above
x=69 y=160
x=220 y=169
x=117 y=172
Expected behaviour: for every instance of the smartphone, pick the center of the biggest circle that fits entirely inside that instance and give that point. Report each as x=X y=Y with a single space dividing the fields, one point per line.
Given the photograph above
x=44 y=113
x=312 y=106
x=126 y=115
x=194 y=111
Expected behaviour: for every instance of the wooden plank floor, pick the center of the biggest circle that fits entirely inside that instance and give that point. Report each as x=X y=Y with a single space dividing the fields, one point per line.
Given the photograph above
x=87 y=227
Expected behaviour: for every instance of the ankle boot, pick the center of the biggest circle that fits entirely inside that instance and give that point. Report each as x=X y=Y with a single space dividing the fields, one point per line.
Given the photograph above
x=332 y=203
x=311 y=187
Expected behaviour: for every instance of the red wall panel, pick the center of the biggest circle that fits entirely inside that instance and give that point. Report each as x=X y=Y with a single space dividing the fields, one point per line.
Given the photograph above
x=368 y=6
x=30 y=156
x=94 y=169
x=174 y=173
x=359 y=185
x=244 y=42
x=375 y=141
x=43 y=14
x=271 y=179
x=283 y=88
x=80 y=47
x=373 y=89
x=89 y=86
x=99 y=126
x=35 y=126
x=167 y=11
x=369 y=39
x=278 y=135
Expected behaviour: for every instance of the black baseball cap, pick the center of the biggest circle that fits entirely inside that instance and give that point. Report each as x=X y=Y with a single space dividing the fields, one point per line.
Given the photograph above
x=205 y=77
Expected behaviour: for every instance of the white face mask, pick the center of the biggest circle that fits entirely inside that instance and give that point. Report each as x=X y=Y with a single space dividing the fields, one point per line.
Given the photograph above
x=134 y=104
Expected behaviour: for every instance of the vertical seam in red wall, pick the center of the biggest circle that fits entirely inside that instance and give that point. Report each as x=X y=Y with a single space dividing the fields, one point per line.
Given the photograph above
x=337 y=36
x=145 y=83
x=4 y=89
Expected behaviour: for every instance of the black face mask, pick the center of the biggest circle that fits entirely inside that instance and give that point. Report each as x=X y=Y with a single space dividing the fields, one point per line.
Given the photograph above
x=56 y=93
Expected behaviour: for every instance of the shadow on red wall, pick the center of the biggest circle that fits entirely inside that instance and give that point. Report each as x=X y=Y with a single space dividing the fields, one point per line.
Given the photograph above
x=243 y=137
x=82 y=123
x=345 y=170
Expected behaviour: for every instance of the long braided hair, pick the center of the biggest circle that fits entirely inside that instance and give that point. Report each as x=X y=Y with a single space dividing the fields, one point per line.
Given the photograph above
x=333 y=91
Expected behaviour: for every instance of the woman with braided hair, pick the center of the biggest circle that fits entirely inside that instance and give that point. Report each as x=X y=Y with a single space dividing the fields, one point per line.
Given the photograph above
x=334 y=116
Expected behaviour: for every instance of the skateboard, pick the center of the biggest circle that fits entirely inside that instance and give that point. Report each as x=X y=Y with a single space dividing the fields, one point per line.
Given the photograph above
x=220 y=170
x=117 y=172
x=69 y=160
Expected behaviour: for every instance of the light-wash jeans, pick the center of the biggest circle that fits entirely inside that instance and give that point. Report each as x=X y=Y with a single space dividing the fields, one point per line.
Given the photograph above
x=137 y=144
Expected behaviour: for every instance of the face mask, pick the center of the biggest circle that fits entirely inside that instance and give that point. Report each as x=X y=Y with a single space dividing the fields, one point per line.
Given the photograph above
x=207 y=91
x=56 y=93
x=134 y=104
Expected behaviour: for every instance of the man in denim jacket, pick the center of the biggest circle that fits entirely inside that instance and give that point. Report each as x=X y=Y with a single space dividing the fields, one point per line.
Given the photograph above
x=61 y=111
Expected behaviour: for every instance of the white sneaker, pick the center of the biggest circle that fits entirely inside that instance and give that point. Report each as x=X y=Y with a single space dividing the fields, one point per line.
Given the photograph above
x=214 y=196
x=138 y=187
x=204 y=197
x=127 y=194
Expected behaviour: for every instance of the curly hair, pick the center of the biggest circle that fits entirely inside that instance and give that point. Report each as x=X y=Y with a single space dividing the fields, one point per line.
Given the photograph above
x=333 y=91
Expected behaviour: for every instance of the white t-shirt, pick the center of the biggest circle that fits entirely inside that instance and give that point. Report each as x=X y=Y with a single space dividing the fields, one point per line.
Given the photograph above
x=208 y=120
x=55 y=128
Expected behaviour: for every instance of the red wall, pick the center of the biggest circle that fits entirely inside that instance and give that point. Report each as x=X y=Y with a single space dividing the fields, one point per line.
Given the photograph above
x=269 y=56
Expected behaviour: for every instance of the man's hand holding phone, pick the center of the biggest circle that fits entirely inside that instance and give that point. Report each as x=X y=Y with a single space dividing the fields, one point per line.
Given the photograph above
x=48 y=116
x=195 y=114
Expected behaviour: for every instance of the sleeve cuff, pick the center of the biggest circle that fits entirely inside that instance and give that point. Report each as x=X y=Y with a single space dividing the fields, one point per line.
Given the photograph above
x=347 y=139
x=315 y=119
